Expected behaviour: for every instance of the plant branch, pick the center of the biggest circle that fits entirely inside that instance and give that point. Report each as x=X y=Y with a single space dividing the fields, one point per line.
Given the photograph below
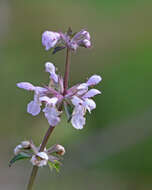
x=67 y=71
x=35 y=168
x=49 y=131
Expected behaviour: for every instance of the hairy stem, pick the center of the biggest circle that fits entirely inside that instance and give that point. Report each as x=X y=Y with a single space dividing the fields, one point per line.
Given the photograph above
x=67 y=71
x=35 y=168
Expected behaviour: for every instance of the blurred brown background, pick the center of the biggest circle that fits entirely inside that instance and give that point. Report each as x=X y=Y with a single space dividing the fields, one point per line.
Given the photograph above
x=114 y=150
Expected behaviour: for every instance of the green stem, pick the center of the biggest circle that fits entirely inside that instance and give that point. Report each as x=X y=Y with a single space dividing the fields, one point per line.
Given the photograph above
x=35 y=168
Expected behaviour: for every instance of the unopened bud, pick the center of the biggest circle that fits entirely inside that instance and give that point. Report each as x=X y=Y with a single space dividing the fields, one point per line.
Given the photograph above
x=25 y=144
x=40 y=159
x=17 y=149
x=86 y=34
x=86 y=43
x=73 y=45
x=60 y=149
x=93 y=80
x=49 y=67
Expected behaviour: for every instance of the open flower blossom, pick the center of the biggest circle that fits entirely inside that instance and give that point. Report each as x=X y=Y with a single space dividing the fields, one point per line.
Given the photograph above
x=52 y=39
x=78 y=96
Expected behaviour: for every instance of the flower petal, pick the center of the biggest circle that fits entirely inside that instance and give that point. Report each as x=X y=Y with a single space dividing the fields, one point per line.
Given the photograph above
x=50 y=68
x=42 y=155
x=86 y=43
x=50 y=39
x=93 y=80
x=82 y=88
x=52 y=115
x=78 y=119
x=40 y=90
x=26 y=86
x=33 y=108
x=50 y=101
x=89 y=104
x=91 y=93
x=76 y=101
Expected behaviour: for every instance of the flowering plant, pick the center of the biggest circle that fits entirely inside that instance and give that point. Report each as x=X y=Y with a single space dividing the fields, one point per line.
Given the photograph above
x=57 y=97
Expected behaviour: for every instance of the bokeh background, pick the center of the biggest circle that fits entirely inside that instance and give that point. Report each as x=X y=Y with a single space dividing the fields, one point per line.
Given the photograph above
x=114 y=150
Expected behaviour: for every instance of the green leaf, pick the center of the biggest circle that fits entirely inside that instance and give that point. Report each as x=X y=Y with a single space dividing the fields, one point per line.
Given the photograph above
x=55 y=165
x=68 y=110
x=20 y=156
x=58 y=48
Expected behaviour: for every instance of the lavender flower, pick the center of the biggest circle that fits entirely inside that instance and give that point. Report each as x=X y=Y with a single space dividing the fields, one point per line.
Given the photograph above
x=76 y=100
x=79 y=96
x=82 y=102
x=51 y=39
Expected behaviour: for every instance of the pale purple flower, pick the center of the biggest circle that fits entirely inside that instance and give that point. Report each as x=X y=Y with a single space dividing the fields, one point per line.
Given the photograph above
x=81 y=99
x=78 y=119
x=86 y=43
x=91 y=93
x=89 y=104
x=34 y=107
x=83 y=34
x=93 y=80
x=52 y=115
x=50 y=39
x=50 y=68
x=79 y=96
x=49 y=101
x=26 y=86
x=42 y=95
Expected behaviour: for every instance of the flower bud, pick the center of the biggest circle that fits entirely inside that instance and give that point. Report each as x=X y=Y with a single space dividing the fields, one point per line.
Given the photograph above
x=73 y=46
x=40 y=159
x=86 y=35
x=17 y=149
x=60 y=149
x=86 y=43
x=25 y=144
x=50 y=68
x=50 y=39
x=57 y=148
x=93 y=80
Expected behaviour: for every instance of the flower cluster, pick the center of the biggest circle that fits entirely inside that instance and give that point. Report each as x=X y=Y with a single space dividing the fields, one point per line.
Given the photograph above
x=29 y=150
x=61 y=40
x=78 y=97
x=54 y=96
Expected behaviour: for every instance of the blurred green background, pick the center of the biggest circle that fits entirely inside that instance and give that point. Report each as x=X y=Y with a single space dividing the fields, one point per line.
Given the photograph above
x=114 y=150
